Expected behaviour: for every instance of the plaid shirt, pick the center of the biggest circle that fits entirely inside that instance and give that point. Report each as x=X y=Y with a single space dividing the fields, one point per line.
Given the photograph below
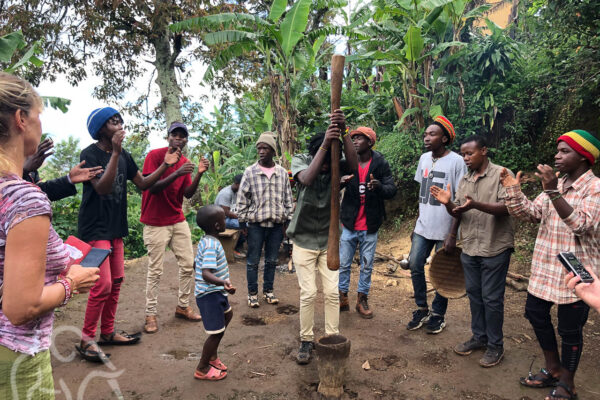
x=578 y=233
x=263 y=200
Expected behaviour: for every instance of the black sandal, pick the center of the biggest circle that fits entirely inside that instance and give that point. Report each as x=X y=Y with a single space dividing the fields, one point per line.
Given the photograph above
x=109 y=340
x=92 y=355
x=569 y=396
x=547 y=381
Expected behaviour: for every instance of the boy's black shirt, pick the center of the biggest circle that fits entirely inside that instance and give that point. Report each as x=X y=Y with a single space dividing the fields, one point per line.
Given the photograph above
x=104 y=217
x=374 y=206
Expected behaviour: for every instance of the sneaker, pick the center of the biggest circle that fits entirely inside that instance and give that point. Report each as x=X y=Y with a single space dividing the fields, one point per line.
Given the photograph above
x=420 y=316
x=466 y=348
x=270 y=298
x=492 y=356
x=253 y=301
x=238 y=254
x=304 y=353
x=435 y=324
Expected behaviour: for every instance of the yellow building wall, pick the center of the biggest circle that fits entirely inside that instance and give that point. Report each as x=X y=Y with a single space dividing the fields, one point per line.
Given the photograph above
x=499 y=14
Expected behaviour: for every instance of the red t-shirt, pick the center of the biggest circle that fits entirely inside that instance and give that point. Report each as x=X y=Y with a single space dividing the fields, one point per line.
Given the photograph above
x=361 y=218
x=163 y=208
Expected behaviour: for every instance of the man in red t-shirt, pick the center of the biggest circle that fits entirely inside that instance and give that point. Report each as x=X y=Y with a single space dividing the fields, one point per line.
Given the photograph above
x=165 y=225
x=362 y=213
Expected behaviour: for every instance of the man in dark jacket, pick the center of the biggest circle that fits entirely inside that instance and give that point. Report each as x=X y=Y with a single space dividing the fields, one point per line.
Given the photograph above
x=362 y=214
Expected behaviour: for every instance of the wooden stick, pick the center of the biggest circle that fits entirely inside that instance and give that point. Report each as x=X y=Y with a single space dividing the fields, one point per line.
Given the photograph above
x=333 y=244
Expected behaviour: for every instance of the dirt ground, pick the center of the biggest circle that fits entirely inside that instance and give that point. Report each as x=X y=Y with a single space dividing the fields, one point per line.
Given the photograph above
x=260 y=345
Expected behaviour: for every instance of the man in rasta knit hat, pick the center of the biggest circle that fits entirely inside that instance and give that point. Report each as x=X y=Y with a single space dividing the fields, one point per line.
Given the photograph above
x=569 y=215
x=437 y=167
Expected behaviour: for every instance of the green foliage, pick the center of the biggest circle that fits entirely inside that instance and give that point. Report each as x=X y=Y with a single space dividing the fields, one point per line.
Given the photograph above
x=64 y=215
x=134 y=242
x=65 y=157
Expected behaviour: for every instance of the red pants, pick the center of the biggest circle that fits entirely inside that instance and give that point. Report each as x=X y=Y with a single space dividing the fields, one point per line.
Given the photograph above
x=104 y=295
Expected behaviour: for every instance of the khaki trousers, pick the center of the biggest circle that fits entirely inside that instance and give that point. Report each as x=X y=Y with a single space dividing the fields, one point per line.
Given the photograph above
x=309 y=264
x=179 y=238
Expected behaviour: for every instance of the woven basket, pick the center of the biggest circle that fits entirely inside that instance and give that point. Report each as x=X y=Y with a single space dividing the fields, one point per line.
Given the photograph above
x=446 y=274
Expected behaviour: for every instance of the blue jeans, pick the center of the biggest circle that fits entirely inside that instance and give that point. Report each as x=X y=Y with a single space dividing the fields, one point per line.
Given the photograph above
x=419 y=251
x=366 y=244
x=271 y=238
x=485 y=281
x=234 y=223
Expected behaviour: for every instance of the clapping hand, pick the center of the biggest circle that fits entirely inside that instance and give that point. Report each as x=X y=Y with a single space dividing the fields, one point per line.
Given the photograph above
x=172 y=156
x=508 y=180
x=441 y=195
x=203 y=165
x=186 y=168
x=548 y=177
x=79 y=174
x=373 y=184
x=35 y=161
x=466 y=206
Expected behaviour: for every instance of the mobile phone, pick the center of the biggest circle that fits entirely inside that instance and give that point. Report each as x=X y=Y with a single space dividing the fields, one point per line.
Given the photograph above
x=95 y=257
x=573 y=265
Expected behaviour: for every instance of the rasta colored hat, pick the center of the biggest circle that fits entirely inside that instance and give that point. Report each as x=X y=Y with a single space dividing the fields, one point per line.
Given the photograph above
x=446 y=126
x=583 y=143
x=363 y=130
x=98 y=118
x=178 y=125
x=267 y=138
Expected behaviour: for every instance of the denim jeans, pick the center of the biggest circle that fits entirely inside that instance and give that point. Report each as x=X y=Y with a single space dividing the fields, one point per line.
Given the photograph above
x=485 y=281
x=419 y=251
x=234 y=223
x=366 y=244
x=271 y=238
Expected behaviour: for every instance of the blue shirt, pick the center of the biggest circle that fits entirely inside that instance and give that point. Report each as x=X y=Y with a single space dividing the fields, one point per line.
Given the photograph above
x=210 y=256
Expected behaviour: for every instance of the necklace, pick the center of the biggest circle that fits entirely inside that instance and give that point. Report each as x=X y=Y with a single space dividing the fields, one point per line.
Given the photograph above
x=433 y=161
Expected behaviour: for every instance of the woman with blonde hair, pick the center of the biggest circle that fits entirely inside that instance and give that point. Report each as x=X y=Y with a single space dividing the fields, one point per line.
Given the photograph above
x=33 y=259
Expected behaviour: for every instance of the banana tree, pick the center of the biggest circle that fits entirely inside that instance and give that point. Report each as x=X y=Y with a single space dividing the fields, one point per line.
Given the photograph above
x=282 y=44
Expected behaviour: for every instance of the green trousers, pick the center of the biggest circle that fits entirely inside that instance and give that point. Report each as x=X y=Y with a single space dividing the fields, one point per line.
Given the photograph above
x=24 y=377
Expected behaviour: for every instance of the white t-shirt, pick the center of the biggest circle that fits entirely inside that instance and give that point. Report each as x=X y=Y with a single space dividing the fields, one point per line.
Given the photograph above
x=434 y=222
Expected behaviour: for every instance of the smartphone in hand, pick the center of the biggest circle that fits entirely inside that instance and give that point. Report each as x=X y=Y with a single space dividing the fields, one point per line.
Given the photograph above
x=572 y=264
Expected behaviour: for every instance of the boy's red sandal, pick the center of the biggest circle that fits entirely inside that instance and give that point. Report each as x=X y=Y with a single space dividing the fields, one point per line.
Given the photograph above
x=213 y=374
x=217 y=364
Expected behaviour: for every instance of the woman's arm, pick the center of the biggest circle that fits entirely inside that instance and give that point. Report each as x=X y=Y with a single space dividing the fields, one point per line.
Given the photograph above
x=25 y=296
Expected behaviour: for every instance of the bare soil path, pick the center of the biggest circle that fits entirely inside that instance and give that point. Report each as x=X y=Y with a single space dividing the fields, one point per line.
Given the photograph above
x=260 y=345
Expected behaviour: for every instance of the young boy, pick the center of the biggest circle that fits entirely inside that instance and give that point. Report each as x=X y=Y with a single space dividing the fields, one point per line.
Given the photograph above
x=362 y=213
x=438 y=167
x=212 y=286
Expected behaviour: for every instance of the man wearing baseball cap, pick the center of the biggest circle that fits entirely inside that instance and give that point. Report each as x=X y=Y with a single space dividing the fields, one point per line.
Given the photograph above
x=362 y=213
x=165 y=225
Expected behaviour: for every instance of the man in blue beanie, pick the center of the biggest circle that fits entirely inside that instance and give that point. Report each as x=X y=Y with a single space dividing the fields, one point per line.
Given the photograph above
x=103 y=223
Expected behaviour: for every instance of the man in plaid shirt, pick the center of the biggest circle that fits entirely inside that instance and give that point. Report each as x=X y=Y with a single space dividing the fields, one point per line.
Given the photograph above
x=264 y=202
x=569 y=214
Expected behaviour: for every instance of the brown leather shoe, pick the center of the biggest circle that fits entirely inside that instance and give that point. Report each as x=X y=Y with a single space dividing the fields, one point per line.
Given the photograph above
x=344 y=303
x=187 y=313
x=362 y=306
x=151 y=325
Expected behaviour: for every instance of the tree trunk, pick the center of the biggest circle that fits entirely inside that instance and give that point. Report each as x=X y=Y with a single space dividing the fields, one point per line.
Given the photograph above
x=170 y=92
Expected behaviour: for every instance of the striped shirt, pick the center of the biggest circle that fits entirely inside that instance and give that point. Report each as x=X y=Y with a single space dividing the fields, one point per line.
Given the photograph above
x=264 y=200
x=20 y=200
x=578 y=233
x=210 y=256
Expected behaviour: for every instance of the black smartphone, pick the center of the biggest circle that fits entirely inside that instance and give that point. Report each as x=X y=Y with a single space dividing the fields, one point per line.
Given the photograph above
x=95 y=257
x=573 y=265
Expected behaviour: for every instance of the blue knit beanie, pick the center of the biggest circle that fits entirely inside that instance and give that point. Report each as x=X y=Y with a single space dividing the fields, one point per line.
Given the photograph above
x=98 y=118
